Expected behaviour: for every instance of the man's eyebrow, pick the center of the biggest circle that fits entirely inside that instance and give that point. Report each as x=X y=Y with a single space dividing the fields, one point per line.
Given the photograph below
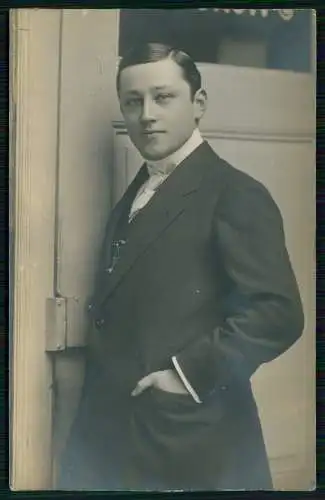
x=162 y=87
x=133 y=92
x=156 y=87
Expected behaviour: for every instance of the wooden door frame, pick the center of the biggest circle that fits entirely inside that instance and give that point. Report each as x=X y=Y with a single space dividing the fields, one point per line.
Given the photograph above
x=34 y=59
x=35 y=106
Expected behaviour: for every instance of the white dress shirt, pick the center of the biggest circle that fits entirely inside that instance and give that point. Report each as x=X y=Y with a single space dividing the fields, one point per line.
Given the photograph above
x=158 y=172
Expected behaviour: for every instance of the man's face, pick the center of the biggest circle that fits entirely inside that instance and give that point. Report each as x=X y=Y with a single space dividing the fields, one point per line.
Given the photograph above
x=156 y=103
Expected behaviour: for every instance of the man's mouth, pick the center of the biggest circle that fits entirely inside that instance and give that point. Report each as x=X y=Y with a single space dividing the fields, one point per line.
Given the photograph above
x=152 y=132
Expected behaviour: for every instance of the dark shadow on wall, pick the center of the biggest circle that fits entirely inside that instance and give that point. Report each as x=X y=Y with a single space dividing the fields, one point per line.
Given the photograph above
x=201 y=32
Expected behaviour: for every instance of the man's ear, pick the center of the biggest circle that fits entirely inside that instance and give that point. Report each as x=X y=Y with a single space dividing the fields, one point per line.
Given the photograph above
x=200 y=103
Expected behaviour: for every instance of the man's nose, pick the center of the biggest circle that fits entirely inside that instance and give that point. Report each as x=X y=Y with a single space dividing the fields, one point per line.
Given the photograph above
x=148 y=111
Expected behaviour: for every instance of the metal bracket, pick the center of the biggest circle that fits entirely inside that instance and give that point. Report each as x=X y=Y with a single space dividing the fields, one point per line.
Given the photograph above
x=65 y=323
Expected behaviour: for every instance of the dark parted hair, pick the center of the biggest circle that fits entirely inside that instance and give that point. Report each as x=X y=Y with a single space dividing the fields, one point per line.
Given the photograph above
x=153 y=52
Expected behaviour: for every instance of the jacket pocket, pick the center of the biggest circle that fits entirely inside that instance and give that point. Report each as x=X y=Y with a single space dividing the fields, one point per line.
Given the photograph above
x=172 y=432
x=177 y=414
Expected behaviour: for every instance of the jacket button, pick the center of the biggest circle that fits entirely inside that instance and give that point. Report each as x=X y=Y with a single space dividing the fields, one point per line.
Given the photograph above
x=89 y=307
x=99 y=323
x=223 y=387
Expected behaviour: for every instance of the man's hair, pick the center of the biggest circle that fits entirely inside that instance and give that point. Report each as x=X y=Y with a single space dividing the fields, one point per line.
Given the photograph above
x=153 y=52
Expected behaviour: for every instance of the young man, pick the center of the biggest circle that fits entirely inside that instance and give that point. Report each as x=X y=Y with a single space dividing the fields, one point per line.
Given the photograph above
x=194 y=292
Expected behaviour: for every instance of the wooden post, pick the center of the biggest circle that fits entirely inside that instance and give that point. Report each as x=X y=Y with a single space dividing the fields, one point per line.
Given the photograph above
x=35 y=53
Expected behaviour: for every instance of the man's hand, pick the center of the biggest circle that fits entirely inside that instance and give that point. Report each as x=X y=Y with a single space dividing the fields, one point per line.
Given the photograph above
x=165 y=380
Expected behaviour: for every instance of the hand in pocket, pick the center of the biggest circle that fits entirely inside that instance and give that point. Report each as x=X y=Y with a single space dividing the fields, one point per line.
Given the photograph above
x=165 y=380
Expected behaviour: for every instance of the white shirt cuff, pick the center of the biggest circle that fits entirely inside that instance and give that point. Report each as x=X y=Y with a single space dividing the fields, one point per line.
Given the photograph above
x=185 y=381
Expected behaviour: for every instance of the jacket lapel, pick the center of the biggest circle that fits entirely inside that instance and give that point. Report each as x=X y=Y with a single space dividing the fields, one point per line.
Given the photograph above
x=168 y=203
x=115 y=216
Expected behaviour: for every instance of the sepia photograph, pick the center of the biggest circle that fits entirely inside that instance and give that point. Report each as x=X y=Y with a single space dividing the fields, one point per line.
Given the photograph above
x=162 y=249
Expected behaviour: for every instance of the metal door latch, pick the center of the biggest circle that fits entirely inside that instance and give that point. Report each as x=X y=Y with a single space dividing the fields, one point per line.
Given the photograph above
x=65 y=323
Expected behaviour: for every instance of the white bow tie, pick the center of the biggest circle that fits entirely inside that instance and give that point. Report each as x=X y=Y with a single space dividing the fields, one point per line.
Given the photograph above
x=146 y=192
x=160 y=167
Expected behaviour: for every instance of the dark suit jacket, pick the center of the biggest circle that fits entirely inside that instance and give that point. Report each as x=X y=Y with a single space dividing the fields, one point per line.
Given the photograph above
x=204 y=275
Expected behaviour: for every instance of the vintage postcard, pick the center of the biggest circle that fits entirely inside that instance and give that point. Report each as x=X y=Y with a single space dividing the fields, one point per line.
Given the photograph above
x=162 y=213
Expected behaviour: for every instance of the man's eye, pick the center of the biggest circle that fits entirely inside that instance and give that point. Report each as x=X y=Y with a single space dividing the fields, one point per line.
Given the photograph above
x=163 y=97
x=133 y=101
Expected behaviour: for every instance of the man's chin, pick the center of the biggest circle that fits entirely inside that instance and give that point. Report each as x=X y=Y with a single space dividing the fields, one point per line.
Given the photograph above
x=154 y=155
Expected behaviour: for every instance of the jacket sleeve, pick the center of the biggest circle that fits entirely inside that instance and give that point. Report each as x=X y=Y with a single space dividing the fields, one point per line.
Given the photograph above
x=264 y=314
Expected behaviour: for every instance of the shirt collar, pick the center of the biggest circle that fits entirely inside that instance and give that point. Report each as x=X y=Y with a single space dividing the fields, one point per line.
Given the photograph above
x=167 y=165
